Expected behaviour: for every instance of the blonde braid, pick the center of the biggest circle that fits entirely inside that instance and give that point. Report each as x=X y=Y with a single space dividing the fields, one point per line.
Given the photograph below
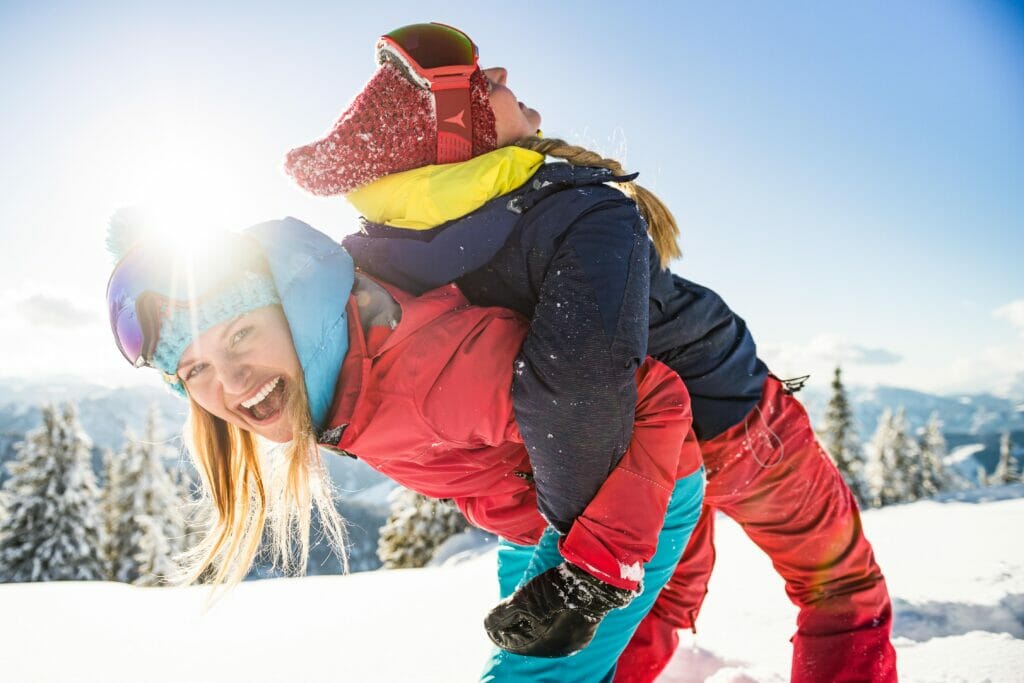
x=660 y=223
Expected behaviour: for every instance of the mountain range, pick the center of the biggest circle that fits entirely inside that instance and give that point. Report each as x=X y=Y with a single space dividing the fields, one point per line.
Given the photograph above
x=106 y=412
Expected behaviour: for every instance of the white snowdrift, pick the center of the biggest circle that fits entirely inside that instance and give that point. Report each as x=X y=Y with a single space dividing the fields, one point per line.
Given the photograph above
x=955 y=569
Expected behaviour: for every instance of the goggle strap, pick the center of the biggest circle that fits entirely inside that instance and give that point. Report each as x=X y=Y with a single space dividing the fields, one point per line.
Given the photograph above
x=453 y=107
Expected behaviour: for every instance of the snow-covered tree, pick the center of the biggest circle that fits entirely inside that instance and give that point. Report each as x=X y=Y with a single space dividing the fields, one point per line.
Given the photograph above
x=1008 y=469
x=878 y=468
x=906 y=458
x=146 y=523
x=52 y=529
x=839 y=437
x=109 y=510
x=931 y=475
x=415 y=528
x=892 y=460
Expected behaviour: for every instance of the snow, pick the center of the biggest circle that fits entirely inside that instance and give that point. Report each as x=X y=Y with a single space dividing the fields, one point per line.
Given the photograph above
x=631 y=572
x=955 y=568
x=963 y=453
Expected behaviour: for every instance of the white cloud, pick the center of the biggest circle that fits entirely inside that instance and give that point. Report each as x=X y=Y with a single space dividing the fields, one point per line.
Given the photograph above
x=53 y=311
x=997 y=368
x=829 y=350
x=1012 y=313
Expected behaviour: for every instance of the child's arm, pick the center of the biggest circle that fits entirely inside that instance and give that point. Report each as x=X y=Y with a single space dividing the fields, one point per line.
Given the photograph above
x=577 y=264
x=608 y=546
x=586 y=288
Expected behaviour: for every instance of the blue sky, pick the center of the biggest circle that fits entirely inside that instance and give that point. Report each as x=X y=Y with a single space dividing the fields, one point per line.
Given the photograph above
x=850 y=178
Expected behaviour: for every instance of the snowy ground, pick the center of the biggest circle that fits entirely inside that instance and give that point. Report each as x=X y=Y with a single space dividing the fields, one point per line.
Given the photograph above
x=955 y=569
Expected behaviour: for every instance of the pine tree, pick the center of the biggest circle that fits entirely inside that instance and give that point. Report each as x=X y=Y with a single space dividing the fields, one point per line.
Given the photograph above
x=110 y=512
x=1008 y=469
x=878 y=469
x=146 y=523
x=839 y=437
x=52 y=529
x=415 y=528
x=931 y=475
x=905 y=458
x=891 y=461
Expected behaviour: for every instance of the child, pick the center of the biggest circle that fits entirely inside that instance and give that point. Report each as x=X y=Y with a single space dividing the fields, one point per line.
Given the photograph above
x=553 y=242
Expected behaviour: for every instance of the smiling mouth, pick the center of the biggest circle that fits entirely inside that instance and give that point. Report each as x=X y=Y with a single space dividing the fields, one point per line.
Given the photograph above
x=268 y=403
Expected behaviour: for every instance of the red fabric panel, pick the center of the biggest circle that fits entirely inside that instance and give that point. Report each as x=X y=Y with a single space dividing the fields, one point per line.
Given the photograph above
x=771 y=475
x=617 y=533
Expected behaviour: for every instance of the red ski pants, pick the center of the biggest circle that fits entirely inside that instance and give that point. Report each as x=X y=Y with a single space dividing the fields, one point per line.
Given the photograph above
x=771 y=476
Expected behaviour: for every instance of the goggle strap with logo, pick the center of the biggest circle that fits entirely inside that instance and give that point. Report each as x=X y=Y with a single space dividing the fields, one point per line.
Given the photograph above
x=450 y=85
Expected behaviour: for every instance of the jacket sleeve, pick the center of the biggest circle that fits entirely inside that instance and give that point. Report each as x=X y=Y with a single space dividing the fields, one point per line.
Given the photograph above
x=574 y=386
x=617 y=533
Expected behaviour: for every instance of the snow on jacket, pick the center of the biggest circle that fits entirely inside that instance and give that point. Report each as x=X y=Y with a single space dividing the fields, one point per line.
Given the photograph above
x=573 y=255
x=431 y=408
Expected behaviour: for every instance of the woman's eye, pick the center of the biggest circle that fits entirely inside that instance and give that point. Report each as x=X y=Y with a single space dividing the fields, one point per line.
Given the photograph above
x=194 y=371
x=241 y=334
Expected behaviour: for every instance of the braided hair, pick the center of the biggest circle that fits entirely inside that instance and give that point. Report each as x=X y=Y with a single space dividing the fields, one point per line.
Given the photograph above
x=661 y=225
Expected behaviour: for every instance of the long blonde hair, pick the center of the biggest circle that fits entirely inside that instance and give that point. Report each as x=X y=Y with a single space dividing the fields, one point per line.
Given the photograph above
x=248 y=489
x=661 y=224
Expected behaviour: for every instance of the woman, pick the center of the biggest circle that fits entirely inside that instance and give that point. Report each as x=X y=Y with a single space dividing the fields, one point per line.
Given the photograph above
x=267 y=341
x=553 y=242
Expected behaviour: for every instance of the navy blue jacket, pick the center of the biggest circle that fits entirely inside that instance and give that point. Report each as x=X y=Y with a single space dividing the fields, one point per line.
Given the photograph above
x=573 y=255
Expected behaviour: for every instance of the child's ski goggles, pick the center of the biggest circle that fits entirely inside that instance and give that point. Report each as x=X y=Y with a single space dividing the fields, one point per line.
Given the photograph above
x=439 y=58
x=148 y=281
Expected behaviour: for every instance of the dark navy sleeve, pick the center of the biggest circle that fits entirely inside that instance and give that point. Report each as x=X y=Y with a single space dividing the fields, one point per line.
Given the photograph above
x=695 y=333
x=585 y=286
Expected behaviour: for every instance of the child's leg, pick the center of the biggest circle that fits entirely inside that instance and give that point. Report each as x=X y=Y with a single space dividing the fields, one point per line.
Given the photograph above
x=597 y=661
x=654 y=642
x=792 y=502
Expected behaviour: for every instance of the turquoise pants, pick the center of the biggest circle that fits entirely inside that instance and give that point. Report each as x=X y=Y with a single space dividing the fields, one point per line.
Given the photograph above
x=517 y=564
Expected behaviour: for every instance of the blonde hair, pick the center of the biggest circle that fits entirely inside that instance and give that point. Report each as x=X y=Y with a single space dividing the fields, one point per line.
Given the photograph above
x=661 y=224
x=239 y=501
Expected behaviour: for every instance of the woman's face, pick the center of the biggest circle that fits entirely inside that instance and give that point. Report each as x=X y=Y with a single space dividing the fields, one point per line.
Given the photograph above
x=512 y=118
x=243 y=369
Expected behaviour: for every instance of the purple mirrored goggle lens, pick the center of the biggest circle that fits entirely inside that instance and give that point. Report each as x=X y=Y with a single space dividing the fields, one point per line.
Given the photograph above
x=134 y=326
x=128 y=335
x=143 y=281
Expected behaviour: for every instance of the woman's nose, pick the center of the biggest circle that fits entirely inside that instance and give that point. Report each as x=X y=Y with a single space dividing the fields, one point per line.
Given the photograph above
x=496 y=74
x=235 y=378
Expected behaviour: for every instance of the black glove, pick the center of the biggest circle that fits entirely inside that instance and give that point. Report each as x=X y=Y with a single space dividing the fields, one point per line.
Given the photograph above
x=555 y=613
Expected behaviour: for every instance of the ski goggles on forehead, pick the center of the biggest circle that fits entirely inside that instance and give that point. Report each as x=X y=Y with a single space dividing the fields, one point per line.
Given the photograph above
x=146 y=284
x=441 y=59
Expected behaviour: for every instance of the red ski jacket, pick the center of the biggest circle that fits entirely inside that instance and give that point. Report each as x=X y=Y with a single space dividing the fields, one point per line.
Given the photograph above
x=431 y=408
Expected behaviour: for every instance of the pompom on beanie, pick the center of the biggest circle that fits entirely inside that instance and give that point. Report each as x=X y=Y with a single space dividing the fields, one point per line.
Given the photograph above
x=390 y=127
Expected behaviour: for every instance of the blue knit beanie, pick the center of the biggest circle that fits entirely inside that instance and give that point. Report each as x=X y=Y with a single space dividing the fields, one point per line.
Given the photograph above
x=246 y=293
x=302 y=269
x=132 y=229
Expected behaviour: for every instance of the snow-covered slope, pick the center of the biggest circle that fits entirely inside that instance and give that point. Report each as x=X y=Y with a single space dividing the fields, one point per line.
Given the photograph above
x=954 y=567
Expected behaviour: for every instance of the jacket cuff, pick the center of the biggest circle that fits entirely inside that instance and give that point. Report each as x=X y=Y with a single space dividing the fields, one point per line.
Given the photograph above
x=583 y=547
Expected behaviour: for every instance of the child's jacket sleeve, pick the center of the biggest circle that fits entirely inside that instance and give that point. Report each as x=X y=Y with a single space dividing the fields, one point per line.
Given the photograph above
x=573 y=257
x=617 y=531
x=586 y=283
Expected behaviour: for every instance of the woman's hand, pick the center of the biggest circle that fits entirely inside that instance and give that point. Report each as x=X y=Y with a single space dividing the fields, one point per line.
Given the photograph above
x=555 y=614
